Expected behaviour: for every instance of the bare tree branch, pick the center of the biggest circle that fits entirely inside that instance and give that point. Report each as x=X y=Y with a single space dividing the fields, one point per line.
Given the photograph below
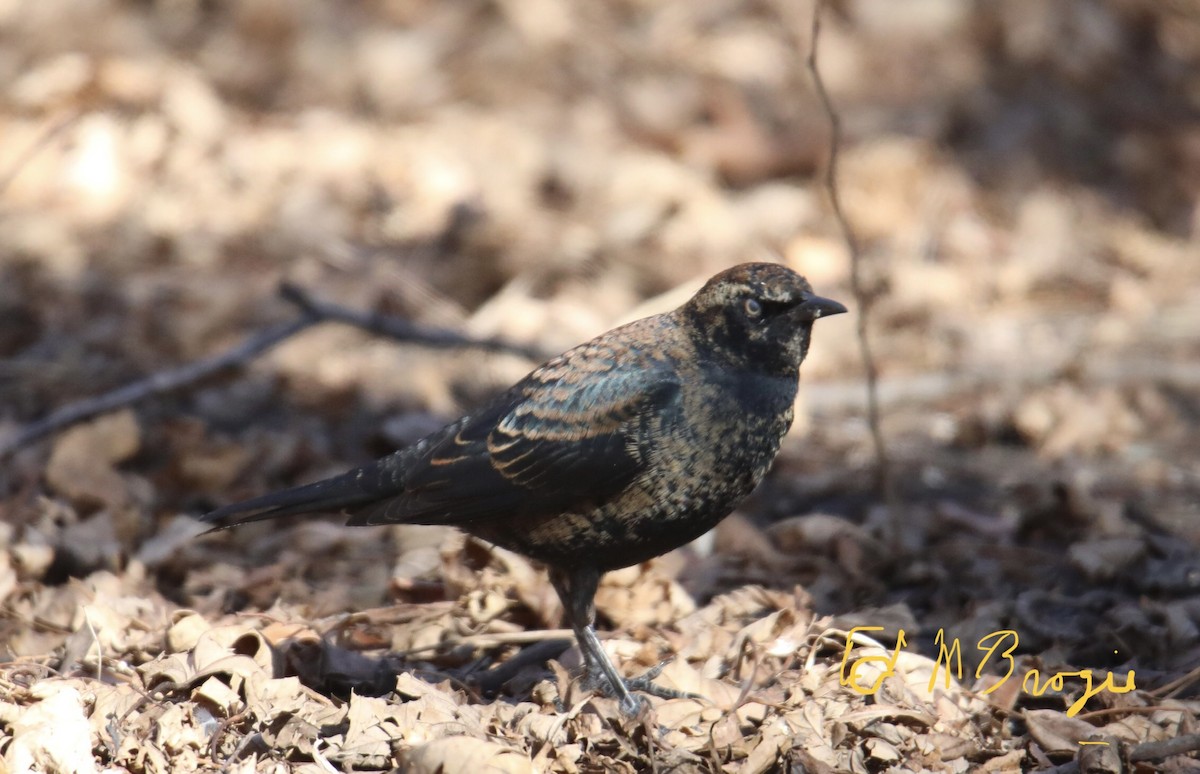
x=155 y=384
x=399 y=328
x=1152 y=751
x=312 y=310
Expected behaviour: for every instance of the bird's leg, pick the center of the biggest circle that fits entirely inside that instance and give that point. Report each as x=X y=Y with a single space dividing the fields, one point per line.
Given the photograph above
x=577 y=590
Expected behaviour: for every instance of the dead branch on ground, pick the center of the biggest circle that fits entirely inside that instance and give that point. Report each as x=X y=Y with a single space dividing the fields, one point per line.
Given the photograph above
x=313 y=311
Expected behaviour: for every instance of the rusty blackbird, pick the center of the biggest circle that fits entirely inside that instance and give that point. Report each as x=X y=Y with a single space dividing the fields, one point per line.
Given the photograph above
x=614 y=452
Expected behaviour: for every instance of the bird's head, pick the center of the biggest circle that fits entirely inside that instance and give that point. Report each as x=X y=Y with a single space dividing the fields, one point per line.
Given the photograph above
x=757 y=315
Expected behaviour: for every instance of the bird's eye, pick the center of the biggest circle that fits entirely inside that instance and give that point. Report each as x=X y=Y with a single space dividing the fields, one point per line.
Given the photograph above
x=753 y=307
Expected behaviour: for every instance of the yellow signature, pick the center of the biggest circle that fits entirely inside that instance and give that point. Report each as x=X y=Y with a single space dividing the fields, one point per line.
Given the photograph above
x=950 y=657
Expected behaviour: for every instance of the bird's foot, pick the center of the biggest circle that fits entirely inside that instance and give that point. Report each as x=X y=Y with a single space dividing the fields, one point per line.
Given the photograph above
x=632 y=705
x=645 y=684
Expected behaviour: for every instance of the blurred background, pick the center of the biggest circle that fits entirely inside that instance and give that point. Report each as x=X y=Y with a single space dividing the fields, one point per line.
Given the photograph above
x=1023 y=176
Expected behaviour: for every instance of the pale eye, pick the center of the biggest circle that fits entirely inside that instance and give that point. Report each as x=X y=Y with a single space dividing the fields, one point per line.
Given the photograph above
x=753 y=307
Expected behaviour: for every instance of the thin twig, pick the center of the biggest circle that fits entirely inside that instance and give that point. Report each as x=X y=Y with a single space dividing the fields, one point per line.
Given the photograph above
x=155 y=384
x=1151 y=751
x=649 y=725
x=321 y=760
x=87 y=619
x=42 y=140
x=1173 y=688
x=313 y=311
x=490 y=641
x=1107 y=712
x=398 y=328
x=885 y=479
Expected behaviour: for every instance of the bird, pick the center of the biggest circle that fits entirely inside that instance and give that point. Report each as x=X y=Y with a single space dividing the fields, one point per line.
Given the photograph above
x=614 y=452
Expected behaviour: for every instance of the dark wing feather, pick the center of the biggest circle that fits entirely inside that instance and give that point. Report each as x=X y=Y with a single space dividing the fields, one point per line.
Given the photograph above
x=371 y=483
x=571 y=434
x=553 y=446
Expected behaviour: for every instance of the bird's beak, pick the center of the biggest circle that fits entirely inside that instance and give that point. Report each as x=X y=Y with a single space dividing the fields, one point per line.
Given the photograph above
x=813 y=307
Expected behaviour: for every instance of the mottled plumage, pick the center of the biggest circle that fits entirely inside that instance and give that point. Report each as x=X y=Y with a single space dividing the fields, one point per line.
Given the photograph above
x=616 y=451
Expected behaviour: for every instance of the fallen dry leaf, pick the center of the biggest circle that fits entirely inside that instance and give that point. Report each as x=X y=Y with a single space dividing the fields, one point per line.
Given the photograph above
x=466 y=754
x=81 y=463
x=52 y=733
x=541 y=171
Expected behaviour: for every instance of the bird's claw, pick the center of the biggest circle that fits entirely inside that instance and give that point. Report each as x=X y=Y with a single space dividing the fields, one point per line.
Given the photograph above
x=646 y=684
x=632 y=705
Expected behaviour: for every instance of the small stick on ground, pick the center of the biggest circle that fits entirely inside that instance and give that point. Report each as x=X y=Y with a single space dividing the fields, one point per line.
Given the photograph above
x=1153 y=751
x=398 y=328
x=155 y=384
x=313 y=311
x=492 y=640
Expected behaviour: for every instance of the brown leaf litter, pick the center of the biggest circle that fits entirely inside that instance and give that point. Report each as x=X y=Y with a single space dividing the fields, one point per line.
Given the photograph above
x=147 y=686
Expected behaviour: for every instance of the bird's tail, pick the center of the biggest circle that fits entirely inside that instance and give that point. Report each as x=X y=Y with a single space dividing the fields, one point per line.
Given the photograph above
x=354 y=488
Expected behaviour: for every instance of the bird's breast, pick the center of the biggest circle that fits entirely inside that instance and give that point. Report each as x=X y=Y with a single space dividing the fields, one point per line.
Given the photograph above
x=702 y=455
x=704 y=460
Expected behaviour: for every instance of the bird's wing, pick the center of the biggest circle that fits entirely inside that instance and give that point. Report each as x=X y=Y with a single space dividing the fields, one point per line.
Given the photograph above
x=570 y=436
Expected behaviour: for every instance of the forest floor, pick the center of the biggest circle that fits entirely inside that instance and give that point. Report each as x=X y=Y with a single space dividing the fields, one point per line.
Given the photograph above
x=1023 y=181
